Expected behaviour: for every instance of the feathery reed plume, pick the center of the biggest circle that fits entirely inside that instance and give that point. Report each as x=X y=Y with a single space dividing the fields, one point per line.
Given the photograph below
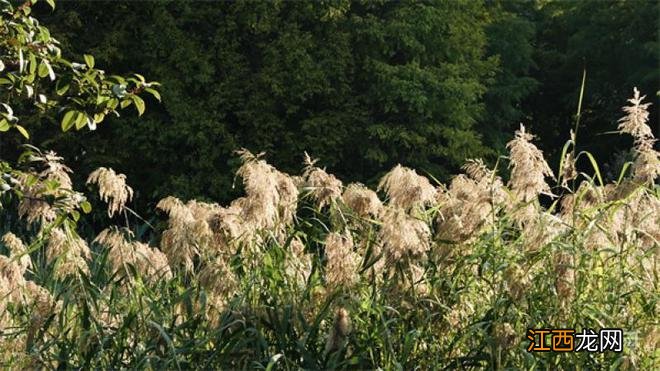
x=341 y=328
x=228 y=228
x=42 y=303
x=271 y=196
x=18 y=251
x=188 y=233
x=517 y=282
x=564 y=276
x=505 y=335
x=646 y=167
x=14 y=281
x=54 y=169
x=299 y=265
x=406 y=189
x=68 y=252
x=636 y=118
x=325 y=188
x=220 y=284
x=417 y=280
x=5 y=295
x=112 y=188
x=343 y=263
x=403 y=235
x=36 y=186
x=260 y=206
x=466 y=207
x=529 y=168
x=363 y=201
x=149 y=262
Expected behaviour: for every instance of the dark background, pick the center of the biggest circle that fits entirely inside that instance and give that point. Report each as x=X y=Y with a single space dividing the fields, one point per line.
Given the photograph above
x=360 y=85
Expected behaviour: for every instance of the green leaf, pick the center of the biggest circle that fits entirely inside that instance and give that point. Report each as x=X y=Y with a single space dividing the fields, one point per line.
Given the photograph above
x=139 y=104
x=86 y=207
x=51 y=3
x=81 y=120
x=61 y=90
x=89 y=60
x=22 y=131
x=98 y=117
x=33 y=64
x=4 y=125
x=43 y=69
x=125 y=103
x=67 y=120
x=153 y=92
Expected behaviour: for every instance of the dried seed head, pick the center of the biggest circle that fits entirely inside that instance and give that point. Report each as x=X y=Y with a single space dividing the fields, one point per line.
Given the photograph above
x=343 y=263
x=406 y=189
x=477 y=170
x=403 y=235
x=149 y=262
x=636 y=118
x=646 y=167
x=220 y=284
x=363 y=201
x=517 y=282
x=112 y=188
x=18 y=251
x=36 y=186
x=271 y=196
x=529 y=168
x=42 y=302
x=68 y=252
x=188 y=234
x=299 y=265
x=325 y=188
x=467 y=206
x=339 y=331
x=505 y=335
x=565 y=276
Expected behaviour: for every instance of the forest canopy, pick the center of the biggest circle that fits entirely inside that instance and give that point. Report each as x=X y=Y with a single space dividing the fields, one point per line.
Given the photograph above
x=360 y=85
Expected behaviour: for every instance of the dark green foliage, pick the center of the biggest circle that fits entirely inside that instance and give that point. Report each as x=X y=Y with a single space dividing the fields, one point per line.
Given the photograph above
x=362 y=86
x=617 y=43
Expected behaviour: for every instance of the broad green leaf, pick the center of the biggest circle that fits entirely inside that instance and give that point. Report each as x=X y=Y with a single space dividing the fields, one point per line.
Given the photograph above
x=62 y=88
x=98 y=117
x=86 y=207
x=51 y=3
x=81 y=120
x=68 y=120
x=139 y=104
x=51 y=73
x=125 y=103
x=43 y=69
x=22 y=131
x=89 y=60
x=32 y=67
x=153 y=92
x=4 y=125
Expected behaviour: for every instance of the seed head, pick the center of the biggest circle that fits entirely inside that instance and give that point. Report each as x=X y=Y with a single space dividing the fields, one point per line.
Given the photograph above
x=529 y=168
x=112 y=188
x=406 y=189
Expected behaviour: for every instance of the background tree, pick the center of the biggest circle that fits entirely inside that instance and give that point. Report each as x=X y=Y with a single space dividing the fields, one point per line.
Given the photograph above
x=360 y=85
